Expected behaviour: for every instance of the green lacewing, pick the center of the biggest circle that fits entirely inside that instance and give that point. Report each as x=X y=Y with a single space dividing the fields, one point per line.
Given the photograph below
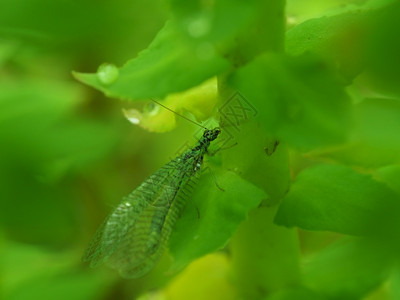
x=134 y=235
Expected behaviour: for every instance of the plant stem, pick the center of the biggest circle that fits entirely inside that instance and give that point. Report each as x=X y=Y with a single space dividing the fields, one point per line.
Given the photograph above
x=264 y=257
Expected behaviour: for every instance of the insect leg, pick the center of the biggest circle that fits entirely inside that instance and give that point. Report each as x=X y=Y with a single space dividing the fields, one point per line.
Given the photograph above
x=215 y=179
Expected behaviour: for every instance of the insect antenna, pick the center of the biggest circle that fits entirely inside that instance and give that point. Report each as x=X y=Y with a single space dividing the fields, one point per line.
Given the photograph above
x=182 y=116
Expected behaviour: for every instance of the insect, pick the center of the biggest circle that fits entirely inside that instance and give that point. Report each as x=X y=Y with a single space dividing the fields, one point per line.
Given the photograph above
x=134 y=235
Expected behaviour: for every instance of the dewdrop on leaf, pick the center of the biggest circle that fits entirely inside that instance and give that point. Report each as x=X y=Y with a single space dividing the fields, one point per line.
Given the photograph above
x=107 y=73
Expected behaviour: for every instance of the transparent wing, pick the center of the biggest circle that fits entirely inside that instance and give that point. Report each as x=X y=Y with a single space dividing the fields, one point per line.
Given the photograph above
x=135 y=233
x=145 y=242
x=123 y=217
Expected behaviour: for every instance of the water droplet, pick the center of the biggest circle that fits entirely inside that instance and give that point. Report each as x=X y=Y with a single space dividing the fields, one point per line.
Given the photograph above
x=199 y=27
x=151 y=109
x=132 y=115
x=107 y=73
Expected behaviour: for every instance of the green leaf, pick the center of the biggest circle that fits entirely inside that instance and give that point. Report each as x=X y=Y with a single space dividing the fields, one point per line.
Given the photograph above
x=303 y=11
x=264 y=257
x=336 y=198
x=191 y=48
x=212 y=21
x=375 y=140
x=170 y=64
x=239 y=29
x=391 y=176
x=336 y=38
x=205 y=278
x=297 y=99
x=200 y=101
x=340 y=36
x=381 y=51
x=259 y=159
x=348 y=269
x=220 y=214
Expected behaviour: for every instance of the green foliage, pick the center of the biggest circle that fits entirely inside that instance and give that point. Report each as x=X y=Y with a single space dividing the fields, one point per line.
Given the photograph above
x=336 y=198
x=161 y=69
x=311 y=113
x=374 y=138
x=306 y=93
x=220 y=213
x=354 y=266
x=188 y=50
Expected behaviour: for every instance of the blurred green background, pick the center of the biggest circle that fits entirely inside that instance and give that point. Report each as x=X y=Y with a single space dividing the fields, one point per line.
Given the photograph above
x=67 y=154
